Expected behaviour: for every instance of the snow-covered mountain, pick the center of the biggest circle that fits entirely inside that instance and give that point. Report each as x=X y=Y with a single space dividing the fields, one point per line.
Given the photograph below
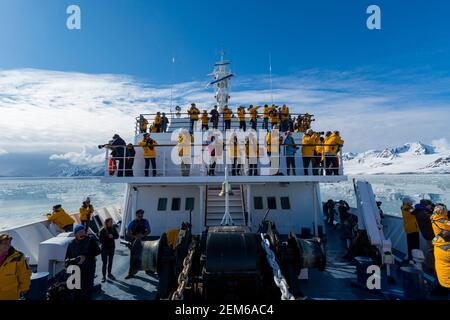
x=413 y=157
x=80 y=171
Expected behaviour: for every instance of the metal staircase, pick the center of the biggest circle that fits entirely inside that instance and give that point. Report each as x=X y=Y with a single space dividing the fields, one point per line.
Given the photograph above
x=215 y=205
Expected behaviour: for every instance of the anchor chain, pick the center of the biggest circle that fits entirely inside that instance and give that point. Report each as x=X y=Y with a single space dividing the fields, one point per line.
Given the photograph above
x=183 y=277
x=278 y=277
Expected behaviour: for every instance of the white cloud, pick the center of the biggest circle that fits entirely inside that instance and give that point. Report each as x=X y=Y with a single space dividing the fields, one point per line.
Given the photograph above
x=2 y=152
x=82 y=158
x=442 y=145
x=59 y=112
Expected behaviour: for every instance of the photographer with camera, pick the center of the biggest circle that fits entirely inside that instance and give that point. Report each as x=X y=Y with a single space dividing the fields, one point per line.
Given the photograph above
x=137 y=231
x=117 y=146
x=148 y=144
x=82 y=252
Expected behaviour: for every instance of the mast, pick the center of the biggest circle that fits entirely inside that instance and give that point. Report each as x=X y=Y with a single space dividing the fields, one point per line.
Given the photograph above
x=171 y=85
x=270 y=75
x=222 y=76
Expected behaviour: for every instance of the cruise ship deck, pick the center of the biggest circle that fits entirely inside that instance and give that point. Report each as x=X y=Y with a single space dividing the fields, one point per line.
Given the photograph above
x=337 y=282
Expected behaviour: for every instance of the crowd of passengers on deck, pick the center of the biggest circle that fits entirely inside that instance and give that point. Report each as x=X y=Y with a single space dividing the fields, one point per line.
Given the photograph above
x=318 y=151
x=270 y=116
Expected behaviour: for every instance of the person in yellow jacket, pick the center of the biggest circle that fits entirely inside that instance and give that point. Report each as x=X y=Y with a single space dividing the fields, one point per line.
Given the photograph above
x=148 y=144
x=274 y=116
x=86 y=212
x=441 y=227
x=234 y=155
x=253 y=112
x=310 y=140
x=205 y=120
x=227 y=114
x=157 y=122
x=284 y=118
x=185 y=139
x=252 y=154
x=265 y=112
x=273 y=149
x=143 y=124
x=410 y=226
x=241 y=118
x=332 y=145
x=60 y=217
x=318 y=161
x=15 y=273
x=193 y=113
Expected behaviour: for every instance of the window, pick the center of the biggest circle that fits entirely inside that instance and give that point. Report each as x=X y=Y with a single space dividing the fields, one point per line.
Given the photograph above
x=285 y=203
x=162 y=204
x=189 y=204
x=176 y=203
x=257 y=203
x=271 y=203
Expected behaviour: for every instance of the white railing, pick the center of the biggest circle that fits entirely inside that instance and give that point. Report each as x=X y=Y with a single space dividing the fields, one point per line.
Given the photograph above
x=176 y=120
x=200 y=165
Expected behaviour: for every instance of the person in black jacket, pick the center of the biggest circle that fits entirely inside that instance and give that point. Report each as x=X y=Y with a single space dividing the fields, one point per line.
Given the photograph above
x=343 y=209
x=214 y=117
x=423 y=211
x=130 y=153
x=107 y=235
x=118 y=151
x=329 y=211
x=82 y=252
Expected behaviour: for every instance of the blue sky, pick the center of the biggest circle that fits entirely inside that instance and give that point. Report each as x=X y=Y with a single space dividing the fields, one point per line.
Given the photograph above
x=380 y=88
x=139 y=37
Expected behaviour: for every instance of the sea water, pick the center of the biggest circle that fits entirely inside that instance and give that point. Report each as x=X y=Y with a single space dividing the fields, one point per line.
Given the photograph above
x=25 y=200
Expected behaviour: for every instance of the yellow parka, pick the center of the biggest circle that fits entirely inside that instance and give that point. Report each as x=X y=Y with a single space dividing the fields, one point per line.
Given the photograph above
x=274 y=117
x=233 y=149
x=149 y=151
x=157 y=120
x=144 y=124
x=269 y=143
x=409 y=221
x=15 y=275
x=205 y=118
x=319 y=150
x=193 y=113
x=331 y=143
x=60 y=218
x=86 y=213
x=253 y=113
x=184 y=145
x=440 y=222
x=227 y=113
x=241 y=114
x=309 y=144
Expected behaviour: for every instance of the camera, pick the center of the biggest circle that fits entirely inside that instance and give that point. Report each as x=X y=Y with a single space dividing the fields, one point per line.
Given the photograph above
x=101 y=146
x=73 y=261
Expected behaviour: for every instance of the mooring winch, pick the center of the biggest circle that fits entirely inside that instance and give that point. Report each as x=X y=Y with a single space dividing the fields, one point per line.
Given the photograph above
x=229 y=263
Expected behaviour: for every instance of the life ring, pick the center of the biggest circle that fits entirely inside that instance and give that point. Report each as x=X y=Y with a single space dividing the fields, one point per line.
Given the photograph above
x=112 y=167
